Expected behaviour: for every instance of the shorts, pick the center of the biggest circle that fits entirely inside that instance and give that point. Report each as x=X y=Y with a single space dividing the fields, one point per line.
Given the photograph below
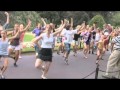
x=45 y=54
x=14 y=47
x=87 y=42
x=4 y=56
x=67 y=47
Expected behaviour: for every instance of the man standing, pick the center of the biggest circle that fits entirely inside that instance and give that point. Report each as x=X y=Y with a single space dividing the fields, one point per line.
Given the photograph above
x=114 y=59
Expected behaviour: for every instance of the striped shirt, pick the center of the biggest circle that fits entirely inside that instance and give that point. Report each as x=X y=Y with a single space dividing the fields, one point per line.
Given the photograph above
x=116 y=42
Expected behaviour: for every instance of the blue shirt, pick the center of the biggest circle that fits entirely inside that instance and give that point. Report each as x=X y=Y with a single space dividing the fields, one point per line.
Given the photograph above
x=37 y=31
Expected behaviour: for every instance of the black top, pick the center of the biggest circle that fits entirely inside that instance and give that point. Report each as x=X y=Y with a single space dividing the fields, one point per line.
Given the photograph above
x=76 y=36
x=15 y=41
x=94 y=34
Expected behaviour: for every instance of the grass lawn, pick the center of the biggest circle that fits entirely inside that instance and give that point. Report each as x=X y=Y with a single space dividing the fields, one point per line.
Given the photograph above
x=28 y=37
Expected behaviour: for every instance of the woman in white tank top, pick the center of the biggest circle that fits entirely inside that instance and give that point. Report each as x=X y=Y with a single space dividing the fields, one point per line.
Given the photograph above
x=45 y=53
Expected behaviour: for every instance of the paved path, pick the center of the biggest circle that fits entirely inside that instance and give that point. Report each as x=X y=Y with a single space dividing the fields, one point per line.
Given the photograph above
x=78 y=67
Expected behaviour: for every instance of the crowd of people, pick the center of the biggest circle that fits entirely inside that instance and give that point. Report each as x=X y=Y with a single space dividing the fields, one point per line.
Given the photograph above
x=95 y=41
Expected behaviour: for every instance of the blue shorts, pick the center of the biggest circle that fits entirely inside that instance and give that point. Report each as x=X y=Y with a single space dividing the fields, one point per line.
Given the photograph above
x=5 y=56
x=67 y=47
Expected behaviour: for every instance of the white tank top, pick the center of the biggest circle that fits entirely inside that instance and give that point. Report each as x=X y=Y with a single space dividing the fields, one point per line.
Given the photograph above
x=47 y=42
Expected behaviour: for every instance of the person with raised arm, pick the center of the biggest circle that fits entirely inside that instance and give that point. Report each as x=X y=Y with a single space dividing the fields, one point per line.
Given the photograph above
x=4 y=43
x=5 y=26
x=68 y=40
x=86 y=39
x=15 y=43
x=75 y=39
x=36 y=32
x=45 y=53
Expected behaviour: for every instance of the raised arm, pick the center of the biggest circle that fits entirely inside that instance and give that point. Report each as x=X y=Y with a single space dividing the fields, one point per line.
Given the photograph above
x=27 y=27
x=10 y=29
x=5 y=26
x=8 y=17
x=60 y=28
x=9 y=33
x=80 y=29
x=16 y=35
x=43 y=22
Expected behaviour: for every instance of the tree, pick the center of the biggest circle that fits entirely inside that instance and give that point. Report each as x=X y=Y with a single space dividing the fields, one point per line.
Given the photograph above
x=21 y=17
x=99 y=20
x=115 y=20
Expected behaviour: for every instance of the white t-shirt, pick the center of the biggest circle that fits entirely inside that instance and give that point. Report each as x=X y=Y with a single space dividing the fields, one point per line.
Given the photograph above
x=69 y=35
x=63 y=31
x=47 y=42
x=97 y=37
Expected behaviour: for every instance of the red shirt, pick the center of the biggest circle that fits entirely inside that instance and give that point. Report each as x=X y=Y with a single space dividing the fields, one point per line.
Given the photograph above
x=22 y=37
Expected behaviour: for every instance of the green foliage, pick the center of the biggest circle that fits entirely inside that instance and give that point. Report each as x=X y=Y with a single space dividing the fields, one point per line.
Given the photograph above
x=116 y=19
x=22 y=17
x=99 y=19
x=56 y=16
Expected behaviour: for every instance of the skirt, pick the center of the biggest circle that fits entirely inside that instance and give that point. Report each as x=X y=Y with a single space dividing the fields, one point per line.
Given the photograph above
x=45 y=54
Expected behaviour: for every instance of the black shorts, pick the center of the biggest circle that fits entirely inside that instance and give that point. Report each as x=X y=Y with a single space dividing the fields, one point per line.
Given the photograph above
x=87 y=42
x=45 y=54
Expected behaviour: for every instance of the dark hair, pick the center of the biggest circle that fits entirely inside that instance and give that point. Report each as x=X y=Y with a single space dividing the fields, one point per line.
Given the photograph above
x=68 y=27
x=53 y=30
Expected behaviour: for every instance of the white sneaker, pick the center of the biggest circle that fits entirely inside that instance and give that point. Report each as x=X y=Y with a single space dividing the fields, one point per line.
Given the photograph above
x=2 y=77
x=43 y=77
x=66 y=61
x=85 y=56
